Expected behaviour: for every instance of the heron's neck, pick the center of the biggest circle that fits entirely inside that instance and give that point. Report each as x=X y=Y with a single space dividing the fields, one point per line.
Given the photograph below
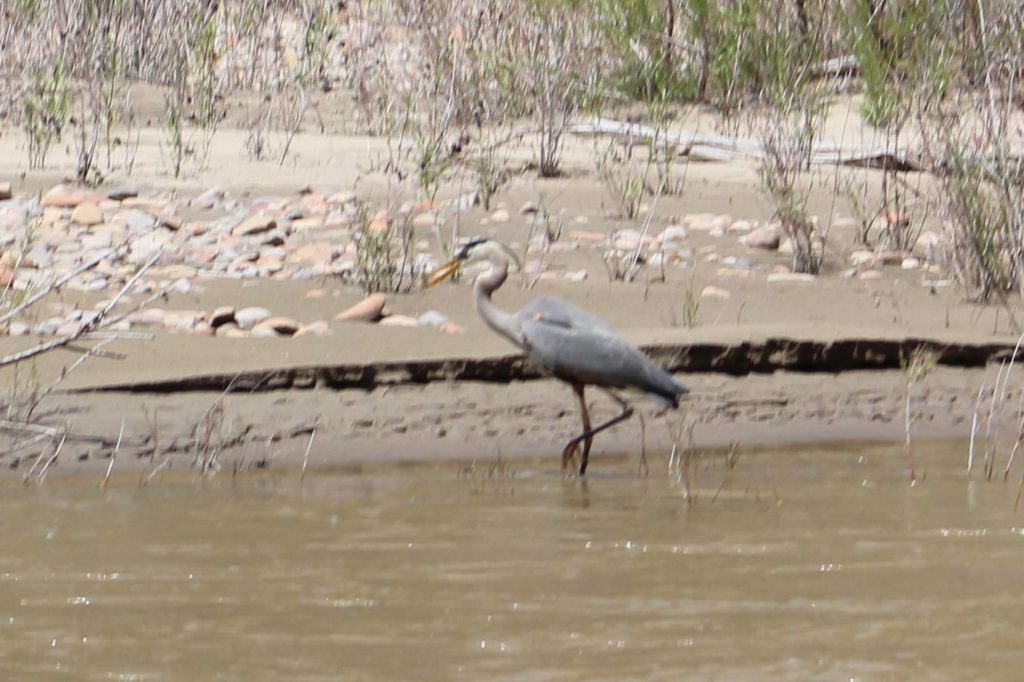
x=496 y=318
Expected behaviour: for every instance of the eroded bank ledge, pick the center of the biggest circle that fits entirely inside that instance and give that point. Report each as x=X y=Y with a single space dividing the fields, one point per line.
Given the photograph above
x=732 y=357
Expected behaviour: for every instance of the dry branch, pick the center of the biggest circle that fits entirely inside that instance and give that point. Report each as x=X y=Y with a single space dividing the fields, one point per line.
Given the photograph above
x=87 y=265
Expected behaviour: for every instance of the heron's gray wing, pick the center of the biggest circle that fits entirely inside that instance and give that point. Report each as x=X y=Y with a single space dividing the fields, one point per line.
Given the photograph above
x=562 y=313
x=577 y=347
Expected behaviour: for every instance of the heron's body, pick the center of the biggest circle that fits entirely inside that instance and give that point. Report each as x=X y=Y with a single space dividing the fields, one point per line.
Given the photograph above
x=579 y=348
x=568 y=342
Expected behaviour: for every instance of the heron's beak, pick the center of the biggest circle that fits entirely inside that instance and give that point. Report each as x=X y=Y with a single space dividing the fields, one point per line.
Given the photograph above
x=444 y=272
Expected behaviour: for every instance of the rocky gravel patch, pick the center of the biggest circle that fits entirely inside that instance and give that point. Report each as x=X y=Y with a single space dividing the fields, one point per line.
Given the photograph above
x=216 y=235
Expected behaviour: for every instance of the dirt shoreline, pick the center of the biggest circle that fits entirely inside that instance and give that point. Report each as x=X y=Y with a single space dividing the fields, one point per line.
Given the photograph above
x=462 y=400
x=466 y=422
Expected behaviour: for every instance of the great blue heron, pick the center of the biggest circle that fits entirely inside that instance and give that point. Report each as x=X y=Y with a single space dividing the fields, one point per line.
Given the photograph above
x=567 y=341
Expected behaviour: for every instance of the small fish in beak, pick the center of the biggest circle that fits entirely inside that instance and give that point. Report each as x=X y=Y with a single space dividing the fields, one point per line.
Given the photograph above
x=444 y=272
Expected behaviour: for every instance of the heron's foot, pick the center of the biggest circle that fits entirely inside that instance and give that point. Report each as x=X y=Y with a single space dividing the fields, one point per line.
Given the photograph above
x=569 y=458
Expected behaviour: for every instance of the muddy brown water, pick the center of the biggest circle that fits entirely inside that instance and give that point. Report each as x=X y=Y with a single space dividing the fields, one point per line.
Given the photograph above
x=818 y=564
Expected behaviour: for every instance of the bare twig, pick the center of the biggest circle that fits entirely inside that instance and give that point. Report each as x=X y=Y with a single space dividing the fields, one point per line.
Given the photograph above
x=92 y=262
x=305 y=457
x=64 y=373
x=113 y=457
x=974 y=431
x=632 y=271
x=8 y=425
x=89 y=326
x=51 y=460
x=39 y=458
x=166 y=462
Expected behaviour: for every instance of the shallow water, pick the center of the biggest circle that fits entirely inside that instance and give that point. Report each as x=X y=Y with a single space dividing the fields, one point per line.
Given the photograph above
x=822 y=564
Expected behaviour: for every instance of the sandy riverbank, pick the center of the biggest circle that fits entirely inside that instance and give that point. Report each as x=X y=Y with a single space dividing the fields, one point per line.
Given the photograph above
x=729 y=293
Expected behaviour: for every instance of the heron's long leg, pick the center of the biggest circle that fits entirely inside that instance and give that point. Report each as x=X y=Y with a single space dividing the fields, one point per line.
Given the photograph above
x=588 y=434
x=570 y=448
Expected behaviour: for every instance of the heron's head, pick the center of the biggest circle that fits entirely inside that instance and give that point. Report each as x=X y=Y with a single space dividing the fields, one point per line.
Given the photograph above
x=474 y=251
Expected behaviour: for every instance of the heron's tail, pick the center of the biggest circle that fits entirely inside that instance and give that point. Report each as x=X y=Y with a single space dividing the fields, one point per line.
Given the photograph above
x=664 y=388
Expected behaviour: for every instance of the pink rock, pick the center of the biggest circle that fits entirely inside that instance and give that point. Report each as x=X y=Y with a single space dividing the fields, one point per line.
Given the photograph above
x=451 y=327
x=87 y=215
x=791 y=277
x=207 y=254
x=399 y=321
x=862 y=257
x=68 y=329
x=337 y=220
x=284 y=326
x=179 y=272
x=630 y=240
x=254 y=224
x=305 y=224
x=247 y=318
x=765 y=237
x=928 y=241
x=318 y=328
x=314 y=252
x=370 y=309
x=150 y=205
x=889 y=257
x=701 y=222
x=180 y=320
x=113 y=229
x=893 y=220
x=100 y=240
x=380 y=223
x=259 y=332
x=269 y=263
x=315 y=204
x=575 y=275
x=6 y=275
x=740 y=227
x=427 y=219
x=231 y=331
x=714 y=292
x=149 y=317
x=170 y=221
x=342 y=198
x=283 y=273
x=63 y=197
x=673 y=233
x=221 y=316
